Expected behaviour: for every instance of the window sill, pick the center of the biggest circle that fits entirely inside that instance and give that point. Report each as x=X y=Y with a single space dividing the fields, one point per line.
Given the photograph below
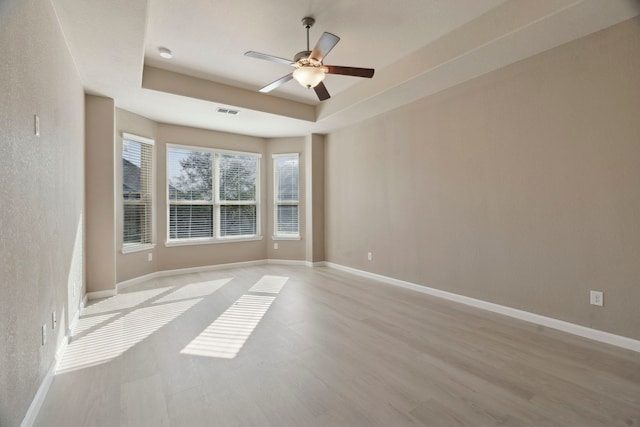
x=137 y=248
x=285 y=237
x=191 y=242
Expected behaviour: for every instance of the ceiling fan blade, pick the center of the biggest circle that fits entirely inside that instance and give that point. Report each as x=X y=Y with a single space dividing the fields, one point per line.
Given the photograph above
x=266 y=57
x=322 y=92
x=350 y=71
x=277 y=83
x=324 y=46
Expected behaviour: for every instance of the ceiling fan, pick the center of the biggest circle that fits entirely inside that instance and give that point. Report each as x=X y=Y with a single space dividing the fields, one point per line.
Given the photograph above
x=309 y=69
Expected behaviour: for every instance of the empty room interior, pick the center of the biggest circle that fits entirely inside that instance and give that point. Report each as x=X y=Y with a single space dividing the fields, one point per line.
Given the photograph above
x=320 y=213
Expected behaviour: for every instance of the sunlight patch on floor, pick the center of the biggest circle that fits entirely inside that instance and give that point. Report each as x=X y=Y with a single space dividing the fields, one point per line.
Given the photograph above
x=123 y=301
x=227 y=334
x=194 y=290
x=110 y=341
x=86 y=323
x=225 y=337
x=269 y=284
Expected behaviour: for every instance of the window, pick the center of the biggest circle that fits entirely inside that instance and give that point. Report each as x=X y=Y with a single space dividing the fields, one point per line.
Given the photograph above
x=137 y=192
x=286 y=196
x=213 y=195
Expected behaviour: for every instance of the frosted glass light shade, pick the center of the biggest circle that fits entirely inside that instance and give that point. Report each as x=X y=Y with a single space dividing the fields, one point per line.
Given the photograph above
x=309 y=76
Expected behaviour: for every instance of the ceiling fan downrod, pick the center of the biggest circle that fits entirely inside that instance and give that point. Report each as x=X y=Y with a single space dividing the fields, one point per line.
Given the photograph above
x=307 y=23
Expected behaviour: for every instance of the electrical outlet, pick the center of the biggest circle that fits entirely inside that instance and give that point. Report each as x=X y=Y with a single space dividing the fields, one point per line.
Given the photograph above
x=275 y=246
x=597 y=298
x=54 y=321
x=369 y=256
x=150 y=256
x=44 y=334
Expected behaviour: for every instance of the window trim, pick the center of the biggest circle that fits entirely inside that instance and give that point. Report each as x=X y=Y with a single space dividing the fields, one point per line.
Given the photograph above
x=128 y=248
x=275 y=235
x=137 y=248
x=215 y=202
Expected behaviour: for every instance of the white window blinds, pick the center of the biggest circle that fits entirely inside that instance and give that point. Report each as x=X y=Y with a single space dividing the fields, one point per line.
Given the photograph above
x=237 y=195
x=212 y=194
x=190 y=189
x=137 y=191
x=286 y=195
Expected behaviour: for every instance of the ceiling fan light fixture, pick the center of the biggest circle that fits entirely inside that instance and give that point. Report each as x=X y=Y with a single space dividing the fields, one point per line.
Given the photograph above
x=309 y=76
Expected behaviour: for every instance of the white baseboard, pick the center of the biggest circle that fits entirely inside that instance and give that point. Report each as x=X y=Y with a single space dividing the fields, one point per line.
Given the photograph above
x=164 y=273
x=286 y=262
x=38 y=399
x=74 y=321
x=100 y=294
x=572 y=328
x=316 y=264
x=61 y=350
x=41 y=394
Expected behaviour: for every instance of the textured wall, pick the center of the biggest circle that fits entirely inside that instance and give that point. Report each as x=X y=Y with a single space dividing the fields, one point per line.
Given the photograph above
x=41 y=193
x=520 y=187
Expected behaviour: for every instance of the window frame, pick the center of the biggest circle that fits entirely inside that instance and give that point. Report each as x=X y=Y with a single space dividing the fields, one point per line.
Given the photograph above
x=277 y=202
x=150 y=195
x=215 y=202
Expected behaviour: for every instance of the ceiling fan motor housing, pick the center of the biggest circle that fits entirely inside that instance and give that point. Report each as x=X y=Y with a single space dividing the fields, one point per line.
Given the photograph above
x=307 y=22
x=301 y=55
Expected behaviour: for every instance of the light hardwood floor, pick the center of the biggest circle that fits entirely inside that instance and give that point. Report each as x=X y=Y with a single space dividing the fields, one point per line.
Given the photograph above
x=328 y=349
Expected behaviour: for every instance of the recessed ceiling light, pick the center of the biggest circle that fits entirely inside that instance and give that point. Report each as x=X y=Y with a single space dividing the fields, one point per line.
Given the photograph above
x=165 y=53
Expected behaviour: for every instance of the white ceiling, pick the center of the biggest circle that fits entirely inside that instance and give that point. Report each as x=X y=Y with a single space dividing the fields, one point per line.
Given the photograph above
x=418 y=47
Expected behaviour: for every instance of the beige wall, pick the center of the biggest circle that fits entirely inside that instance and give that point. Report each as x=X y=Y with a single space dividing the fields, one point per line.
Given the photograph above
x=100 y=193
x=287 y=249
x=314 y=145
x=521 y=187
x=41 y=188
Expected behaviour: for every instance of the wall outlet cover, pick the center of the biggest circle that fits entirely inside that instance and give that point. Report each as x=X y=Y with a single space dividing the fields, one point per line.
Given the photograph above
x=596 y=298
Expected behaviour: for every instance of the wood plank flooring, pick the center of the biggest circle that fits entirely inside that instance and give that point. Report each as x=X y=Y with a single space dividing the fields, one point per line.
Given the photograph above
x=331 y=349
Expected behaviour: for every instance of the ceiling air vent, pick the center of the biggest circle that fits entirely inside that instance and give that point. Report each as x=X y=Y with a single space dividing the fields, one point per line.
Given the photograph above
x=227 y=111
